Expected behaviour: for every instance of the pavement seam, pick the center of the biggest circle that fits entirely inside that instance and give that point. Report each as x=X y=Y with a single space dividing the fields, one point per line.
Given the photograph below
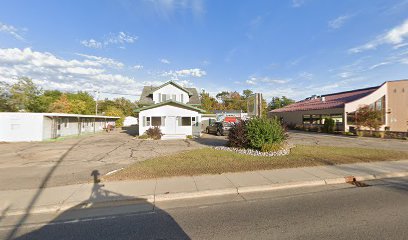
x=236 y=188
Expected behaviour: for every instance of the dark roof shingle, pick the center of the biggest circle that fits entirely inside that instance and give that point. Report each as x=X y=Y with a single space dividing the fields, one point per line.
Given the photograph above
x=334 y=100
x=146 y=98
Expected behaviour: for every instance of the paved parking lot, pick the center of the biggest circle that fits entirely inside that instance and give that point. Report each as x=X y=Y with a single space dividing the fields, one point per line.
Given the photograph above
x=306 y=138
x=70 y=161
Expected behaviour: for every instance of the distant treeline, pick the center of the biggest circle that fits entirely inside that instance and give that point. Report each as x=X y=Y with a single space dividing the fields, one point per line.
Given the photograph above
x=26 y=96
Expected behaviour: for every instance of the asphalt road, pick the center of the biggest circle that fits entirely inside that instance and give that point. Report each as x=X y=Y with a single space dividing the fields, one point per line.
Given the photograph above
x=378 y=211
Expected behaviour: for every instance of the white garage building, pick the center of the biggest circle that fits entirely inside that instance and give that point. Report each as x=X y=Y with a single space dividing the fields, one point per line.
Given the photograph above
x=22 y=127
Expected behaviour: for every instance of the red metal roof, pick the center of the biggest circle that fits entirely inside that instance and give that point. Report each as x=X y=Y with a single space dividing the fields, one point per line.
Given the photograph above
x=334 y=100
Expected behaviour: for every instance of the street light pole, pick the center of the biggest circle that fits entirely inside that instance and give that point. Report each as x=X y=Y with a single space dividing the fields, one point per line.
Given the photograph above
x=96 y=102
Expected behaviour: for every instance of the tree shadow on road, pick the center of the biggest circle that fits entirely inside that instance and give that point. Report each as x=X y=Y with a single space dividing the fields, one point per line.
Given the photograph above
x=212 y=141
x=110 y=215
x=132 y=130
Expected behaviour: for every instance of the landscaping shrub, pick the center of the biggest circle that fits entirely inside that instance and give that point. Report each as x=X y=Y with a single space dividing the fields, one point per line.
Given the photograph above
x=237 y=136
x=271 y=147
x=144 y=136
x=262 y=131
x=154 y=133
x=329 y=125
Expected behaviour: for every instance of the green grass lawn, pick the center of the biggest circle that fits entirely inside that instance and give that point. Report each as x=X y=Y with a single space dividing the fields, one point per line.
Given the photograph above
x=211 y=161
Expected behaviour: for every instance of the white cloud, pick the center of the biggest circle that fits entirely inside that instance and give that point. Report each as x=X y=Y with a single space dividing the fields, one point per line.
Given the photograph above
x=395 y=36
x=306 y=75
x=91 y=43
x=378 y=65
x=297 y=3
x=166 y=8
x=103 y=61
x=165 y=61
x=193 y=72
x=120 y=39
x=52 y=72
x=138 y=67
x=265 y=80
x=11 y=30
x=338 y=22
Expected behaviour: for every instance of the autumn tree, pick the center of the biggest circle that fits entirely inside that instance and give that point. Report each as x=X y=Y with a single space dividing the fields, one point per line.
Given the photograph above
x=368 y=117
x=62 y=105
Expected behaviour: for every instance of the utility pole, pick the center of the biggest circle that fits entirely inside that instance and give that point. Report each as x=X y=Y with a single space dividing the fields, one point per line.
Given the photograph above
x=96 y=101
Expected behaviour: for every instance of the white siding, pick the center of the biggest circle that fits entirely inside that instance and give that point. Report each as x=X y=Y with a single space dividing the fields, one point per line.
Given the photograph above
x=367 y=100
x=170 y=90
x=17 y=127
x=168 y=112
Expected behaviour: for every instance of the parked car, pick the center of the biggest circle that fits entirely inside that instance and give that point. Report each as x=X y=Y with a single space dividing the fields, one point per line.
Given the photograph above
x=219 y=128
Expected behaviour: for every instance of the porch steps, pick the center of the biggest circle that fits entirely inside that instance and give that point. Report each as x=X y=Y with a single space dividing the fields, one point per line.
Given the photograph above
x=173 y=136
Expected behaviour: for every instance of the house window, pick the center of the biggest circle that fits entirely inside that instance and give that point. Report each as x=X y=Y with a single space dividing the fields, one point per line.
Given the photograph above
x=160 y=97
x=306 y=119
x=181 y=98
x=66 y=121
x=185 y=121
x=174 y=97
x=194 y=121
x=156 y=121
x=147 y=121
x=164 y=97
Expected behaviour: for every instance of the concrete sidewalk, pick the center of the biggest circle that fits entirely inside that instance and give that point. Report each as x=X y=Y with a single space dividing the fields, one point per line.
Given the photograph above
x=59 y=199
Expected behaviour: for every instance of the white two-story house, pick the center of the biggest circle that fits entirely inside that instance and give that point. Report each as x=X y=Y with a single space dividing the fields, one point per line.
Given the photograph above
x=171 y=107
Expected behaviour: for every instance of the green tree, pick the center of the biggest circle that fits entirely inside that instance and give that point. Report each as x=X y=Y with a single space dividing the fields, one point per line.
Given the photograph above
x=208 y=103
x=246 y=93
x=5 y=98
x=278 y=102
x=116 y=112
x=86 y=103
x=23 y=95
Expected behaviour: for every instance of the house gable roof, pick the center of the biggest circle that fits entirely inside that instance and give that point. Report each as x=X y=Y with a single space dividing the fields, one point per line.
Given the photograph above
x=146 y=96
x=170 y=102
x=334 y=100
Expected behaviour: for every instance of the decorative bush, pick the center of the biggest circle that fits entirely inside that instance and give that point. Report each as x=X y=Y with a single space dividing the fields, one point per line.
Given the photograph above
x=262 y=131
x=144 y=136
x=154 y=133
x=329 y=125
x=272 y=147
x=237 y=136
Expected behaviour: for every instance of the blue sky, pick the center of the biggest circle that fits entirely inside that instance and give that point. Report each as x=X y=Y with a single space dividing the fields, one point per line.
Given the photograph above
x=294 y=48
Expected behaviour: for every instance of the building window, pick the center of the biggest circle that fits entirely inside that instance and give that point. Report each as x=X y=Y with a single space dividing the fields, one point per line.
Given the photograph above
x=351 y=118
x=181 y=98
x=66 y=121
x=324 y=117
x=164 y=97
x=160 y=97
x=306 y=119
x=316 y=119
x=185 y=121
x=174 y=97
x=156 y=121
x=338 y=118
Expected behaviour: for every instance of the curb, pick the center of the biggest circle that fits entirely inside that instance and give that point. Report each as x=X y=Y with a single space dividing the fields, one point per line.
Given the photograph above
x=207 y=193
